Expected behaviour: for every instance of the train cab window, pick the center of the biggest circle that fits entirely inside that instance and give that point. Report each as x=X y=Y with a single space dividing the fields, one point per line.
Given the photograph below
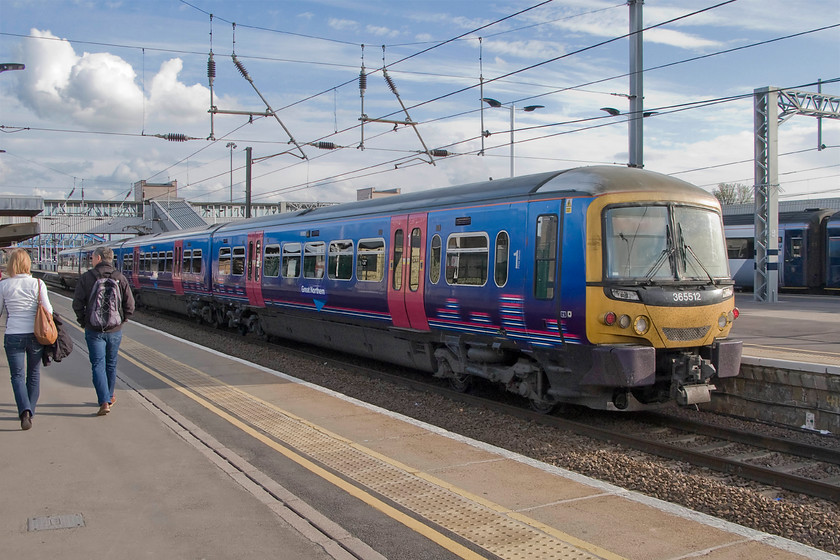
x=186 y=263
x=224 y=261
x=434 y=260
x=291 y=260
x=545 y=257
x=414 y=264
x=500 y=267
x=370 y=260
x=396 y=260
x=340 y=260
x=238 y=264
x=467 y=256
x=314 y=257
x=740 y=248
x=196 y=261
x=169 y=261
x=271 y=261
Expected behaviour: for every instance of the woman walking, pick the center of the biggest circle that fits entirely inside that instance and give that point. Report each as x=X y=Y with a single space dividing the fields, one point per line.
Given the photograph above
x=19 y=297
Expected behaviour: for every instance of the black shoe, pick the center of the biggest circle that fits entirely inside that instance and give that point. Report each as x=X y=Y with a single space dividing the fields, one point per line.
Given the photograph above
x=25 y=420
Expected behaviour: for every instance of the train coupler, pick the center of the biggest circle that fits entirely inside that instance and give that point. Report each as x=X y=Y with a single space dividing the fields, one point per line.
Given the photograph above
x=690 y=374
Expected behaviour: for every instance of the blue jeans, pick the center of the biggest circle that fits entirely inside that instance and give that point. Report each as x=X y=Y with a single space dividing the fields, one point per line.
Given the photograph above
x=24 y=353
x=103 y=349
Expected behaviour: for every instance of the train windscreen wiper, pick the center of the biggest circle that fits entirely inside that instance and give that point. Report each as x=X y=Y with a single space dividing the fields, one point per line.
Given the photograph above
x=686 y=248
x=665 y=255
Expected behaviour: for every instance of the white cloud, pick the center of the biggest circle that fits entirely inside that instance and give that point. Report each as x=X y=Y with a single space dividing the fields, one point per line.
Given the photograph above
x=380 y=31
x=342 y=24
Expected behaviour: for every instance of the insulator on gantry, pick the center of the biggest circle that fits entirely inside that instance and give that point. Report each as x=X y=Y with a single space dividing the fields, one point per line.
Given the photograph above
x=326 y=145
x=390 y=82
x=211 y=67
x=362 y=81
x=437 y=152
x=175 y=137
x=240 y=67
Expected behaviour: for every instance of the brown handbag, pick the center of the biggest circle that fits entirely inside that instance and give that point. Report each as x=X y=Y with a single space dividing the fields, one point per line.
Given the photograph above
x=45 y=330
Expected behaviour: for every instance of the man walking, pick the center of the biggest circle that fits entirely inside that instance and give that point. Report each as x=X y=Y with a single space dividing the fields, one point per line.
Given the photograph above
x=103 y=302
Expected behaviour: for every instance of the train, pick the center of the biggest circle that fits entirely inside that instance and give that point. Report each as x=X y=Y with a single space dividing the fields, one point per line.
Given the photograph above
x=603 y=287
x=809 y=250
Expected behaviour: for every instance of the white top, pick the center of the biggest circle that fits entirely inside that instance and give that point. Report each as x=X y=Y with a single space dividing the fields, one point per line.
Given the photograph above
x=19 y=299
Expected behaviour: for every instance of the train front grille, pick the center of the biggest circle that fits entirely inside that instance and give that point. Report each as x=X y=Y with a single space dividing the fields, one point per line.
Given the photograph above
x=684 y=334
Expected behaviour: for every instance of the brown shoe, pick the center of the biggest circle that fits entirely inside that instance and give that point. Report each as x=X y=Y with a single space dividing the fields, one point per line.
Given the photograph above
x=104 y=409
x=25 y=420
x=113 y=400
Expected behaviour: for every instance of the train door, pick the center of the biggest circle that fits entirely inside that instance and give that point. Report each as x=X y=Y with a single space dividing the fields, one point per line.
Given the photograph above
x=794 y=249
x=178 y=259
x=253 y=270
x=135 y=269
x=542 y=296
x=406 y=282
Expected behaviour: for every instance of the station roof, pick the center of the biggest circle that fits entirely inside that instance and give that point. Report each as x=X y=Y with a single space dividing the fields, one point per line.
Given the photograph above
x=11 y=205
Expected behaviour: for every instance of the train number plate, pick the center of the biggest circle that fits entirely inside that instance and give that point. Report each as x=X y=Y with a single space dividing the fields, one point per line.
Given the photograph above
x=687 y=297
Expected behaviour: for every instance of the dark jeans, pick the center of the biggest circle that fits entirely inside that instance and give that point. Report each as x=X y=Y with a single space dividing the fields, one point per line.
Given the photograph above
x=103 y=349
x=24 y=354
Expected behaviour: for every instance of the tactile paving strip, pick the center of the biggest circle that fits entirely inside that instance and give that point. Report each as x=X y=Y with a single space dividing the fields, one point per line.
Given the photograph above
x=492 y=530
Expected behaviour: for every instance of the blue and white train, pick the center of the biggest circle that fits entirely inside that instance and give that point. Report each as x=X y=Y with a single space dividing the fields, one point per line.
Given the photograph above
x=606 y=287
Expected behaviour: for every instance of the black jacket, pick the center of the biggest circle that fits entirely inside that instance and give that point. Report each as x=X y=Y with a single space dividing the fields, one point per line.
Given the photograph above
x=85 y=286
x=63 y=344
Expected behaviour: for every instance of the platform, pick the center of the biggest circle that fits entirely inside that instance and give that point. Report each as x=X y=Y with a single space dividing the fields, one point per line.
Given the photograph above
x=205 y=456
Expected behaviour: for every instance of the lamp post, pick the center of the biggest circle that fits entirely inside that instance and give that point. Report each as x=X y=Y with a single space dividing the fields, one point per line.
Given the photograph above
x=529 y=108
x=232 y=147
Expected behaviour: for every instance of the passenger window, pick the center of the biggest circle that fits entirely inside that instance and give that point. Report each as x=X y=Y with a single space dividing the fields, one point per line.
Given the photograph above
x=169 y=261
x=313 y=259
x=414 y=264
x=271 y=261
x=370 y=260
x=186 y=262
x=238 y=265
x=546 y=257
x=340 y=261
x=196 y=261
x=224 y=261
x=154 y=262
x=291 y=260
x=434 y=259
x=396 y=260
x=467 y=256
x=500 y=268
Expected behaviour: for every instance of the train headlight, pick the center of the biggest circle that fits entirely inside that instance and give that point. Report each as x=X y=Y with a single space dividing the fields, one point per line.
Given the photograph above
x=727 y=292
x=626 y=295
x=641 y=324
x=624 y=321
x=723 y=320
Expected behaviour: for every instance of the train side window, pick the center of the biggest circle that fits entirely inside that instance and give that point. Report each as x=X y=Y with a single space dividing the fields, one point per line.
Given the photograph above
x=740 y=247
x=155 y=262
x=196 y=261
x=467 y=257
x=186 y=263
x=434 y=260
x=340 y=261
x=500 y=267
x=414 y=264
x=545 y=265
x=291 y=260
x=147 y=265
x=169 y=261
x=238 y=264
x=271 y=261
x=314 y=254
x=370 y=260
x=224 y=260
x=396 y=260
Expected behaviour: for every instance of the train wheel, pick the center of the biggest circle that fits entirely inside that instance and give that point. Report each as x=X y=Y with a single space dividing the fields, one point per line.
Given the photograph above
x=541 y=406
x=461 y=383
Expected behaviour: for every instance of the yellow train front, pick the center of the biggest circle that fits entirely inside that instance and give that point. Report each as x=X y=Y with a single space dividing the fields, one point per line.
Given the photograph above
x=659 y=297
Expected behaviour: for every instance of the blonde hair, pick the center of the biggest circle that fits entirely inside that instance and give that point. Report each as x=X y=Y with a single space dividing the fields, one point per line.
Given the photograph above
x=19 y=263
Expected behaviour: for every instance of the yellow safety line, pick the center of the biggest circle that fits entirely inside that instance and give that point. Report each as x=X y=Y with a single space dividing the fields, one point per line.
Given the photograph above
x=372 y=501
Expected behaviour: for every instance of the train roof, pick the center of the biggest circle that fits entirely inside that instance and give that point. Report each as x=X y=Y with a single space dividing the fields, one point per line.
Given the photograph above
x=813 y=215
x=581 y=181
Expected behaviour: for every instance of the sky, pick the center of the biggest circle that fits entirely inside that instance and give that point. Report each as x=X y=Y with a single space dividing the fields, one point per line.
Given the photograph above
x=106 y=82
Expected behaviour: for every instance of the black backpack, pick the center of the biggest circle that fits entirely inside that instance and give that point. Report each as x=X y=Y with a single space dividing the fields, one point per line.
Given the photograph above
x=105 y=304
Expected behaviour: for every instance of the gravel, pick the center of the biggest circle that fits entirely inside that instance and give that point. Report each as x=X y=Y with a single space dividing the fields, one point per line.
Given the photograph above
x=804 y=519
